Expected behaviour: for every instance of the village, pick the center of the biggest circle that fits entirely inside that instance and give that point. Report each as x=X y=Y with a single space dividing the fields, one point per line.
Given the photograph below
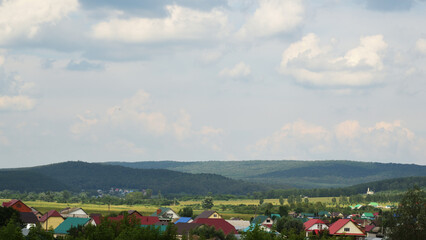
x=365 y=226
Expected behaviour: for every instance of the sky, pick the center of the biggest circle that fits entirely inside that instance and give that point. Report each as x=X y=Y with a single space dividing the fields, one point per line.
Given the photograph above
x=190 y=80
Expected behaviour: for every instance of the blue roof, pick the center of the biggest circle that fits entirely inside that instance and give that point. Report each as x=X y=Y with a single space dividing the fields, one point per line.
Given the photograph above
x=70 y=222
x=183 y=220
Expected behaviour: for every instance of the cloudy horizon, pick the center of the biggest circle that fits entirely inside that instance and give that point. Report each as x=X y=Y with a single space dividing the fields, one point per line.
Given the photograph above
x=186 y=80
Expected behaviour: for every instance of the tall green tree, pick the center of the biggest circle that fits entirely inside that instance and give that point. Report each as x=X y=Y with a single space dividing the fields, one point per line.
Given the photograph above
x=207 y=203
x=408 y=221
x=281 y=200
x=186 y=212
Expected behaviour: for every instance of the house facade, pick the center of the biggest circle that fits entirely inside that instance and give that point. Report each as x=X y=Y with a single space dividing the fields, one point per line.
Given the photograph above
x=346 y=227
x=51 y=220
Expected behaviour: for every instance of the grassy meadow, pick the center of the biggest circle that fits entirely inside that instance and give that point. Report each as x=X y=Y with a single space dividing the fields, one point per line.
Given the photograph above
x=43 y=206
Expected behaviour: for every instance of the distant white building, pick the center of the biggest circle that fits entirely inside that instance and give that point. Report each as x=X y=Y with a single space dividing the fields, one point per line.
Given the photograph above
x=369 y=192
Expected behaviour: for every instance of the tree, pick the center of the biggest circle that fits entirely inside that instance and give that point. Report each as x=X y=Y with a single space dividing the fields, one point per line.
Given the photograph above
x=333 y=200
x=11 y=231
x=306 y=200
x=186 y=212
x=290 y=199
x=207 y=203
x=283 y=210
x=261 y=200
x=409 y=220
x=281 y=200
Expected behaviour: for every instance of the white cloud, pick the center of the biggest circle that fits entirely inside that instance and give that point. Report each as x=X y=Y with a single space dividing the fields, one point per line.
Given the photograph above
x=421 y=45
x=367 y=53
x=239 y=70
x=180 y=24
x=315 y=65
x=385 y=141
x=23 y=18
x=14 y=91
x=273 y=17
x=16 y=103
x=135 y=118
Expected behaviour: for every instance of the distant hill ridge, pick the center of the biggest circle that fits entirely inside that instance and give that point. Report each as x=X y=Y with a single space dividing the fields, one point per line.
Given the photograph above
x=91 y=176
x=299 y=174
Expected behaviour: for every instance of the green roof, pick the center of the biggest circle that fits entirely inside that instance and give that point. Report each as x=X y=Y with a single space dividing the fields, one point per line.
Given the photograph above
x=307 y=214
x=259 y=219
x=368 y=214
x=373 y=204
x=162 y=228
x=324 y=213
x=163 y=210
x=70 y=222
x=277 y=216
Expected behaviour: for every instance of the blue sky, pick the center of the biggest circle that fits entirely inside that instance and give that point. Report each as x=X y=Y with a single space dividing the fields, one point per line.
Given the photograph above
x=212 y=80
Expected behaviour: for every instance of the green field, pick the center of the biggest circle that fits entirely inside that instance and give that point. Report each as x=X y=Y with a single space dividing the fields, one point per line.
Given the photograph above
x=149 y=209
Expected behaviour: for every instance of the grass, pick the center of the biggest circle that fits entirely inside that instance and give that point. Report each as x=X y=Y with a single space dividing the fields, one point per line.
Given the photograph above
x=147 y=210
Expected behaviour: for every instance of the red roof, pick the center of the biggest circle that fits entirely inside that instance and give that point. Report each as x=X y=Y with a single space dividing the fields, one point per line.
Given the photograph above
x=18 y=205
x=312 y=222
x=336 y=226
x=217 y=223
x=51 y=213
x=10 y=203
x=368 y=228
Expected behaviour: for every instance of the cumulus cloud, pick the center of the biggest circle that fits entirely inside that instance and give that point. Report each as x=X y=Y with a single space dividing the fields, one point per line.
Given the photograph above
x=239 y=70
x=273 y=17
x=181 y=24
x=421 y=45
x=311 y=64
x=14 y=91
x=384 y=141
x=135 y=118
x=23 y=18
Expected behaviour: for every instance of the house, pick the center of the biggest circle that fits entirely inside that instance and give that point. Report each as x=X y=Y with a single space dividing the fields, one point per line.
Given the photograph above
x=314 y=225
x=74 y=212
x=18 y=205
x=37 y=213
x=29 y=219
x=253 y=225
x=362 y=222
x=96 y=218
x=367 y=215
x=373 y=204
x=165 y=214
x=337 y=215
x=324 y=214
x=51 y=220
x=134 y=213
x=369 y=192
x=263 y=220
x=63 y=228
x=185 y=228
x=346 y=227
x=208 y=214
x=218 y=224
x=184 y=220
x=307 y=215
x=239 y=224
x=372 y=230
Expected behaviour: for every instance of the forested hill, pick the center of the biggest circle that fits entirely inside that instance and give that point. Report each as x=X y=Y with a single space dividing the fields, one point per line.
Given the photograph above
x=299 y=174
x=91 y=176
